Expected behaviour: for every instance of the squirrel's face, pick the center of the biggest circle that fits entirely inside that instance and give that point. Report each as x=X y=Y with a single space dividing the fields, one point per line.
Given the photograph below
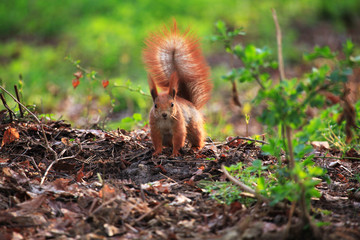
x=164 y=106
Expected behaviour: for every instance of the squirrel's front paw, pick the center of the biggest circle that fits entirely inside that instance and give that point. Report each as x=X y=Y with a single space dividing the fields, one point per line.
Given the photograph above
x=175 y=153
x=156 y=153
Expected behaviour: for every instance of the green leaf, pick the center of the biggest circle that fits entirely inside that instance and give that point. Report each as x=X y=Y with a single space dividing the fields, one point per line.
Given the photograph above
x=137 y=117
x=220 y=25
x=261 y=185
x=320 y=52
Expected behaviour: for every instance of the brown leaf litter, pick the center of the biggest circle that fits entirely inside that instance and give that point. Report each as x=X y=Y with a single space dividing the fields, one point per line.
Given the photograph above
x=114 y=188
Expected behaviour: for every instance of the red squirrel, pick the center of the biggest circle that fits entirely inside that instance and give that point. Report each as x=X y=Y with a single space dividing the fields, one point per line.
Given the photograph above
x=175 y=63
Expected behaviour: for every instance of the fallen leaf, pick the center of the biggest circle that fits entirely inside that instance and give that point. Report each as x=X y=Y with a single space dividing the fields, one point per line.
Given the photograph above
x=107 y=192
x=66 y=141
x=10 y=135
x=33 y=204
x=80 y=174
x=320 y=144
x=179 y=200
x=111 y=230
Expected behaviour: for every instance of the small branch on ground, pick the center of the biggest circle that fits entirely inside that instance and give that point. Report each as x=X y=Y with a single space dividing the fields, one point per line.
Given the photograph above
x=246 y=139
x=243 y=186
x=149 y=212
x=58 y=160
x=41 y=126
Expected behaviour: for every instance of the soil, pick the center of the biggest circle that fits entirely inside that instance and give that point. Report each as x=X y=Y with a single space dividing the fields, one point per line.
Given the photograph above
x=107 y=185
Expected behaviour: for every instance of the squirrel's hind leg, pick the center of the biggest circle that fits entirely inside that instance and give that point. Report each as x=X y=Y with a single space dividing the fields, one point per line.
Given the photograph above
x=196 y=135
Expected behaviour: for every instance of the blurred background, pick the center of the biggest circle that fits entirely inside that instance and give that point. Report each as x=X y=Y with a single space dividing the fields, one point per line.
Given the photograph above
x=44 y=40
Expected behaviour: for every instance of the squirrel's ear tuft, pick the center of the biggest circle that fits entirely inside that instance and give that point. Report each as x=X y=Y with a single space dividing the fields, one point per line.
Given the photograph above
x=173 y=93
x=173 y=86
x=152 y=87
x=153 y=94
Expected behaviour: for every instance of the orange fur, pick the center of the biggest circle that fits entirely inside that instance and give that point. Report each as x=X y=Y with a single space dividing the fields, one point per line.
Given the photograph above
x=175 y=63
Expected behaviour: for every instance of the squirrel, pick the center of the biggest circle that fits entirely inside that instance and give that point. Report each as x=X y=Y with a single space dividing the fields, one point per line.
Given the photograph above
x=175 y=63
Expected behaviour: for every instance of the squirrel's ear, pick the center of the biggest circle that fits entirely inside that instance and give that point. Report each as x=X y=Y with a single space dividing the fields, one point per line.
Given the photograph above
x=174 y=79
x=152 y=87
x=172 y=93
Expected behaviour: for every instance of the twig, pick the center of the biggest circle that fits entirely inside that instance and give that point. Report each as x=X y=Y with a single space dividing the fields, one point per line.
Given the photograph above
x=56 y=161
x=279 y=45
x=18 y=98
x=340 y=158
x=37 y=120
x=105 y=203
x=150 y=211
x=31 y=159
x=247 y=139
x=243 y=186
x=11 y=113
x=291 y=213
x=169 y=178
x=290 y=147
x=131 y=89
x=257 y=79
x=42 y=130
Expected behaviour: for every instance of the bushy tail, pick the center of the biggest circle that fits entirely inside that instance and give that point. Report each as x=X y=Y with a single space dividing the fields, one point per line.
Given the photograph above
x=168 y=51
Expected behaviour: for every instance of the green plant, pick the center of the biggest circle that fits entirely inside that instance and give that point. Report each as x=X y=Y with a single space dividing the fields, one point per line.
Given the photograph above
x=286 y=104
x=128 y=123
x=115 y=100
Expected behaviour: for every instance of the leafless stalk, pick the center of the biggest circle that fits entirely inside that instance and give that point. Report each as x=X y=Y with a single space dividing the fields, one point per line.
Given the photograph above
x=48 y=147
x=18 y=98
x=279 y=46
x=11 y=113
x=243 y=186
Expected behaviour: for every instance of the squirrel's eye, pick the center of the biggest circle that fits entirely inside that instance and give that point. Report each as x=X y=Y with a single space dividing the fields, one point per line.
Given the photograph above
x=172 y=104
x=155 y=106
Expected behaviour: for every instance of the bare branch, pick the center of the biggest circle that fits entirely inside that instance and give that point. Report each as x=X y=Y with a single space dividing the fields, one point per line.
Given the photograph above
x=279 y=45
x=243 y=186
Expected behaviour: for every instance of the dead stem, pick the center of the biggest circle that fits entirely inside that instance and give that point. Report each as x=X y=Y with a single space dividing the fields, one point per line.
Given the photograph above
x=279 y=45
x=244 y=138
x=243 y=186
x=37 y=120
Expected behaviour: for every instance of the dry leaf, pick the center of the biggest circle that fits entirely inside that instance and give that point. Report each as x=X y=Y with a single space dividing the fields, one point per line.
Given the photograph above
x=320 y=144
x=78 y=74
x=80 y=174
x=107 y=192
x=75 y=82
x=105 y=83
x=10 y=135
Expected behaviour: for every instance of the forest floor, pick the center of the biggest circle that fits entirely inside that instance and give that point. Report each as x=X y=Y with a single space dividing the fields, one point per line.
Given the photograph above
x=107 y=185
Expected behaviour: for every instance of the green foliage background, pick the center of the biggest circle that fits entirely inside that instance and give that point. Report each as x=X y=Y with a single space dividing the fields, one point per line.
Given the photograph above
x=107 y=36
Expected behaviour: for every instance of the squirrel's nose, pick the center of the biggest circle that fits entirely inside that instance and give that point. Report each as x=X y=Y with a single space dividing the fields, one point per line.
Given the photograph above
x=164 y=115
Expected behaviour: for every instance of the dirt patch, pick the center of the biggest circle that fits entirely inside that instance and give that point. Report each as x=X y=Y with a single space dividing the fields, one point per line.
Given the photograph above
x=108 y=185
